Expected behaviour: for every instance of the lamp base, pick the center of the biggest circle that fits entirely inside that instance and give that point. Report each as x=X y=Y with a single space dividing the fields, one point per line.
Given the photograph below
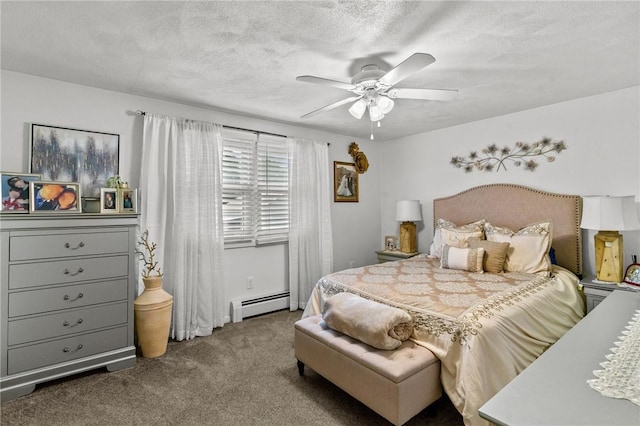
x=609 y=256
x=408 y=242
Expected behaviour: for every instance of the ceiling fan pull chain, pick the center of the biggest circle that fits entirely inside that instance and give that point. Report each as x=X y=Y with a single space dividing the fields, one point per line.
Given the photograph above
x=371 y=122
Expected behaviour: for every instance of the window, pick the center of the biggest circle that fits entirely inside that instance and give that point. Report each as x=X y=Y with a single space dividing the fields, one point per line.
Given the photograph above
x=255 y=187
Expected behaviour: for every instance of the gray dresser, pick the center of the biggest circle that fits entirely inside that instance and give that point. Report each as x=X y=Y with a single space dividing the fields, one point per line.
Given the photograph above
x=66 y=302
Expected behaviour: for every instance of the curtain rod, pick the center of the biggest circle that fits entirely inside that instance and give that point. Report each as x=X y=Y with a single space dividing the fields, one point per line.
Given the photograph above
x=140 y=112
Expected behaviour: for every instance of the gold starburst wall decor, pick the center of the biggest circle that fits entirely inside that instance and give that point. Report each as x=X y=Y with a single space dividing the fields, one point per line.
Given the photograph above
x=522 y=154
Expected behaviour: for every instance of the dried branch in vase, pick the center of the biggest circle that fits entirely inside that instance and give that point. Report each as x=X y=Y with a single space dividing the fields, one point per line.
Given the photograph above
x=522 y=154
x=148 y=256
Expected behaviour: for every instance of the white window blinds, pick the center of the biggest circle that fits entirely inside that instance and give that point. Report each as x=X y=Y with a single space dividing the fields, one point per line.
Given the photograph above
x=255 y=185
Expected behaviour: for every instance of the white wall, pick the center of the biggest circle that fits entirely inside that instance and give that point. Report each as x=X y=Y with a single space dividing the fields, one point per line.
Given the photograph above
x=27 y=99
x=602 y=134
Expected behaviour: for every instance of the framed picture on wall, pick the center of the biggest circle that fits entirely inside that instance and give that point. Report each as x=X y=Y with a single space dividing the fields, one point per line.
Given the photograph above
x=345 y=182
x=128 y=200
x=70 y=155
x=54 y=197
x=14 y=187
x=109 y=200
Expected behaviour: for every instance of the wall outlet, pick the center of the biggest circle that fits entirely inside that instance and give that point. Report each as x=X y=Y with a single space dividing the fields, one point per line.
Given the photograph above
x=352 y=264
x=249 y=282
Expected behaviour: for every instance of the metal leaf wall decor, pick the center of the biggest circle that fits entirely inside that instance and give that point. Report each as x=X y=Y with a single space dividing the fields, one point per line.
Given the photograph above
x=522 y=154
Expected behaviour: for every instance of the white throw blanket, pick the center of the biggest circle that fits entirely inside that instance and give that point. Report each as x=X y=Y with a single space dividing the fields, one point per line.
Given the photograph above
x=377 y=325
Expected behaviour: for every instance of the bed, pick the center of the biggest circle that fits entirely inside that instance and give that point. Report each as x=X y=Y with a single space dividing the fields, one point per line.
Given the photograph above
x=485 y=327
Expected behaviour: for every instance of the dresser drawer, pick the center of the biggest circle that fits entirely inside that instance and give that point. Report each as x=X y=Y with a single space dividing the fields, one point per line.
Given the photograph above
x=66 y=322
x=26 y=275
x=73 y=296
x=29 y=247
x=63 y=350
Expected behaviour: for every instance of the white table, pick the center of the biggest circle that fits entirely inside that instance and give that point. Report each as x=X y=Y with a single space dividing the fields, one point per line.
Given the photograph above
x=554 y=389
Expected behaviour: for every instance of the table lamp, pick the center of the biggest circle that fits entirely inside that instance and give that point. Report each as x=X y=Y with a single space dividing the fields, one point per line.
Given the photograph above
x=408 y=212
x=608 y=215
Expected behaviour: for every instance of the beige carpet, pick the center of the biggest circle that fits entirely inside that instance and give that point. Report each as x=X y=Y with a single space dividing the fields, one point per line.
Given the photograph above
x=243 y=374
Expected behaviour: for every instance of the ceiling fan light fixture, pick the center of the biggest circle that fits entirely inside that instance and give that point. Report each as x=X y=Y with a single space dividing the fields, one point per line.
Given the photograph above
x=358 y=108
x=385 y=104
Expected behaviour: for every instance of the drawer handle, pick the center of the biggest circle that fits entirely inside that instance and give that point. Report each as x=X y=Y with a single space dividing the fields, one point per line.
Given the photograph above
x=67 y=245
x=79 y=296
x=68 y=272
x=67 y=350
x=68 y=324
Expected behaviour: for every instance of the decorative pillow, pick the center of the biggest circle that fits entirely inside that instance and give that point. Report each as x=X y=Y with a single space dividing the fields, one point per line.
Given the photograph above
x=529 y=247
x=475 y=228
x=495 y=254
x=465 y=259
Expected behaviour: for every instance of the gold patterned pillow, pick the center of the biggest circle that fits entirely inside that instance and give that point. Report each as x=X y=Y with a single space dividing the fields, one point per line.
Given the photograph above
x=455 y=235
x=465 y=259
x=528 y=247
x=495 y=254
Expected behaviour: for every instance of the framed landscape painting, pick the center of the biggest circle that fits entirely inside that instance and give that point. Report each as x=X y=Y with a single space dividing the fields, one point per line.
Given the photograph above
x=15 y=191
x=71 y=155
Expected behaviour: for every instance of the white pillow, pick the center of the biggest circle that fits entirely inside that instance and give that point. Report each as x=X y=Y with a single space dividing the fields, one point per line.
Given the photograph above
x=465 y=259
x=528 y=247
x=458 y=239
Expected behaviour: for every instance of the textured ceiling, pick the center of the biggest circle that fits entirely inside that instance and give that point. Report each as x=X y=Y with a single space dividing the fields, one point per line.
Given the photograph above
x=244 y=56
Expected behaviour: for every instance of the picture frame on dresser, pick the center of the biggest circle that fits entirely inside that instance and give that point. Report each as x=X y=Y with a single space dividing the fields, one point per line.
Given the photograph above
x=128 y=200
x=109 y=201
x=14 y=191
x=54 y=197
x=88 y=157
x=391 y=242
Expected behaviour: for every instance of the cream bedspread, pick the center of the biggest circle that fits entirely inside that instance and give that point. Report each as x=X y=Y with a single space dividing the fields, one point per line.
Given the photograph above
x=485 y=328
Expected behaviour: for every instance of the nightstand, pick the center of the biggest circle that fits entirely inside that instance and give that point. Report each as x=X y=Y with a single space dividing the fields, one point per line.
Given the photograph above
x=595 y=291
x=390 y=256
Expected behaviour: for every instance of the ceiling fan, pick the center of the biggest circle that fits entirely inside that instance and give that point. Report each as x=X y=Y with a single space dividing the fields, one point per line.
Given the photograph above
x=374 y=89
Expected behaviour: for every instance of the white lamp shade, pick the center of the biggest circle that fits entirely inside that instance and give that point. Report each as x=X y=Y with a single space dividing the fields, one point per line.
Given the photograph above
x=374 y=112
x=408 y=211
x=609 y=213
x=358 y=108
x=385 y=104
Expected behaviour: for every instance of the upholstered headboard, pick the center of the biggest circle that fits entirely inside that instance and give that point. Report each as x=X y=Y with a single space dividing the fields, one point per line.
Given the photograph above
x=515 y=206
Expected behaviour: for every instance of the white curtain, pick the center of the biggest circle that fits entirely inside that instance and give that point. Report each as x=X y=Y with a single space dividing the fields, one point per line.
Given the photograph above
x=310 y=238
x=181 y=207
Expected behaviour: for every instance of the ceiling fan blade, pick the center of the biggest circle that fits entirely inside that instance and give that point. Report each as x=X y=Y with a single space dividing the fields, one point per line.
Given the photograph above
x=429 y=94
x=325 y=81
x=413 y=63
x=331 y=106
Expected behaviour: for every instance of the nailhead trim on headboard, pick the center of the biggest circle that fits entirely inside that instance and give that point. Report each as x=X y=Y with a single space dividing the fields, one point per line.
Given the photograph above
x=516 y=206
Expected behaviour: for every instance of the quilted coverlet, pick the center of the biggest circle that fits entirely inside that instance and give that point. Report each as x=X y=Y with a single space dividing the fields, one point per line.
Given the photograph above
x=485 y=328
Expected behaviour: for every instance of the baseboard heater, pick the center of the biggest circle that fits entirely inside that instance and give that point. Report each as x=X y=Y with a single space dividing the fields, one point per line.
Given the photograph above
x=260 y=305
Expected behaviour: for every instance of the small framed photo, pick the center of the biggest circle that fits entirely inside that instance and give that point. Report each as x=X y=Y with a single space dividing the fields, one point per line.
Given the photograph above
x=128 y=200
x=392 y=243
x=632 y=276
x=108 y=200
x=54 y=197
x=15 y=191
x=345 y=182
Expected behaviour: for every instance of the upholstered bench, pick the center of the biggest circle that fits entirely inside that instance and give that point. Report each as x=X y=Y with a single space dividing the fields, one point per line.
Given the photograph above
x=396 y=384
